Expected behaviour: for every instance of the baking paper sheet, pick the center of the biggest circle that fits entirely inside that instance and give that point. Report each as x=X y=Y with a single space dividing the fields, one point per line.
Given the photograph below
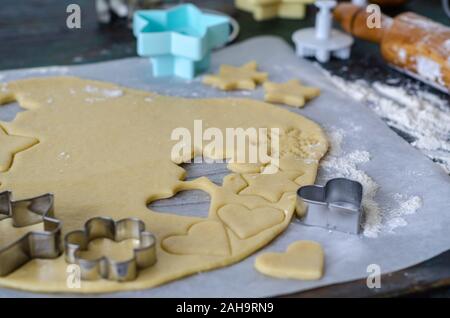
x=395 y=166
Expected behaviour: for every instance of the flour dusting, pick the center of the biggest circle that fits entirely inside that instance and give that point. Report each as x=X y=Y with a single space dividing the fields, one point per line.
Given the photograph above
x=61 y=70
x=429 y=69
x=406 y=206
x=4 y=87
x=376 y=219
x=107 y=93
x=424 y=117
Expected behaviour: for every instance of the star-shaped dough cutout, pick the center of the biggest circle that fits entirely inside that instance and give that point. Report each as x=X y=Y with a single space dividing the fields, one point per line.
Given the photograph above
x=10 y=145
x=269 y=9
x=270 y=186
x=233 y=78
x=291 y=93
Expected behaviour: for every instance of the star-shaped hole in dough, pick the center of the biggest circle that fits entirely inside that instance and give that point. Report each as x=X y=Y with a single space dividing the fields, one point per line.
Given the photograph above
x=10 y=145
x=291 y=93
x=270 y=186
x=233 y=78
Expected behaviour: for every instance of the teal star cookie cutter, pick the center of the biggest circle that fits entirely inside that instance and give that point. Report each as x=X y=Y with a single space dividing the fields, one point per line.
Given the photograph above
x=179 y=40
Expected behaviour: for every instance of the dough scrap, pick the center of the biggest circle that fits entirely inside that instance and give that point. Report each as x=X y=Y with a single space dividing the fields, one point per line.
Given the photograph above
x=302 y=260
x=234 y=78
x=10 y=145
x=105 y=150
x=291 y=93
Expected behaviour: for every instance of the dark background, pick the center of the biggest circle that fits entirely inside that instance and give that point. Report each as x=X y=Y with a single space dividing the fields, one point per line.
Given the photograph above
x=34 y=33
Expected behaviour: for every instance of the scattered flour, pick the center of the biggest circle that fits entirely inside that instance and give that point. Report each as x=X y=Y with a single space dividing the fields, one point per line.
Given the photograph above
x=63 y=156
x=3 y=87
x=377 y=219
x=406 y=206
x=429 y=69
x=49 y=70
x=106 y=93
x=424 y=117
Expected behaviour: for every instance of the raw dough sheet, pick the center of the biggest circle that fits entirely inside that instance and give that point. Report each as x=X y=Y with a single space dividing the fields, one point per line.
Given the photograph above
x=394 y=165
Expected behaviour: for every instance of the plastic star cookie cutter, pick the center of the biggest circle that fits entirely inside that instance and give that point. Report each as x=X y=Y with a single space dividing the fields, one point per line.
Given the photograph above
x=335 y=206
x=291 y=93
x=44 y=244
x=179 y=40
x=144 y=255
x=234 y=78
x=269 y=9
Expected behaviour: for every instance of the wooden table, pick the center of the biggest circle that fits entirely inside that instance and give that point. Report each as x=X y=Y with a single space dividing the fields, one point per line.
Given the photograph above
x=34 y=33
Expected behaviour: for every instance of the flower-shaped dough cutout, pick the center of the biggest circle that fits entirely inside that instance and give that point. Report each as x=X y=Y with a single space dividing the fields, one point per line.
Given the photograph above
x=303 y=260
x=234 y=78
x=291 y=93
x=11 y=145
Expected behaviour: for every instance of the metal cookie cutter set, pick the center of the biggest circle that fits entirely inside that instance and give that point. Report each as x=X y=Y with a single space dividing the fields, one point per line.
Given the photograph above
x=44 y=244
x=335 y=206
x=144 y=255
x=179 y=40
x=323 y=41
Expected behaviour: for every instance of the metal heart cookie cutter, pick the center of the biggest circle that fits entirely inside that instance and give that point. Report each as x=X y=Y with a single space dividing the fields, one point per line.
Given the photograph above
x=44 y=244
x=335 y=206
x=144 y=255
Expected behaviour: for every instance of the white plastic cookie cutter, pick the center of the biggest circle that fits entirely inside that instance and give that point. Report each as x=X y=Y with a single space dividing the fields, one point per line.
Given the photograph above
x=360 y=3
x=323 y=41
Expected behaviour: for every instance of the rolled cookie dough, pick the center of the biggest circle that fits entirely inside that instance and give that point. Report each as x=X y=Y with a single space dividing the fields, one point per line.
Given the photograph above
x=105 y=150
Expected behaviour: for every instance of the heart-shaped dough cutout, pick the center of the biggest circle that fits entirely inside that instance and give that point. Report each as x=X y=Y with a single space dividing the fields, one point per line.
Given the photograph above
x=303 y=260
x=245 y=222
x=204 y=238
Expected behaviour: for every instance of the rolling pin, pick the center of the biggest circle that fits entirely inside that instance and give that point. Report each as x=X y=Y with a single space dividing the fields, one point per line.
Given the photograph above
x=410 y=42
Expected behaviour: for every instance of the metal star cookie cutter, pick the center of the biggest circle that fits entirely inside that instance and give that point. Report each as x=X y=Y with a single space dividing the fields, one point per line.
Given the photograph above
x=335 y=206
x=44 y=244
x=104 y=267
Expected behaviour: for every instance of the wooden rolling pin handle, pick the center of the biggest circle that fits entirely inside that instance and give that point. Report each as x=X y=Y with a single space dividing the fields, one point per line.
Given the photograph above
x=354 y=20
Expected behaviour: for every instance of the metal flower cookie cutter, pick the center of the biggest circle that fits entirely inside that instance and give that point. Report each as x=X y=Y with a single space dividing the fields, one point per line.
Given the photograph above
x=335 y=206
x=34 y=244
x=144 y=255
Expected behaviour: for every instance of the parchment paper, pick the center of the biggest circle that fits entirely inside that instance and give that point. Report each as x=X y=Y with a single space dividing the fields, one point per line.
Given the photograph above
x=395 y=166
